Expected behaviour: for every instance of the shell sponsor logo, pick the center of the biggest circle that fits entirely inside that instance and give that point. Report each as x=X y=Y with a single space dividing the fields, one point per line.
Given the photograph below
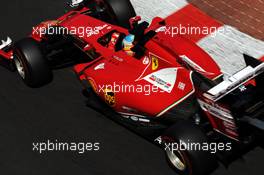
x=110 y=98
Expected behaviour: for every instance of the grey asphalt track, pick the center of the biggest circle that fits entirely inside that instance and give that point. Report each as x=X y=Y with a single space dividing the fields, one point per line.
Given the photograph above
x=58 y=111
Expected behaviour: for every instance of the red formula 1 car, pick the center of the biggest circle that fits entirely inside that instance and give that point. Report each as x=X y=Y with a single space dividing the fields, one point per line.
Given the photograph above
x=166 y=89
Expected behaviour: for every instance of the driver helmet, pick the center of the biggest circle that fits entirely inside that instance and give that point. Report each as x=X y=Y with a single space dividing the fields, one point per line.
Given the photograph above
x=128 y=44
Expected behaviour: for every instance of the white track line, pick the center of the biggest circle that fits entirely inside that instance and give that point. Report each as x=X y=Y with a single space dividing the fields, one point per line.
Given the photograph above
x=148 y=9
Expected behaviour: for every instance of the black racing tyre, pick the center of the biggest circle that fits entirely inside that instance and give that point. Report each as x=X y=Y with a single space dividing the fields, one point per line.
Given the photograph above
x=187 y=161
x=118 y=11
x=31 y=63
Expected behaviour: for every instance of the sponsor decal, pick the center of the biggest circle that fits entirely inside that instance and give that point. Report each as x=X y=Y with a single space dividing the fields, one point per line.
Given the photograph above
x=97 y=30
x=118 y=58
x=135 y=117
x=113 y=40
x=128 y=109
x=155 y=62
x=100 y=66
x=217 y=111
x=181 y=86
x=230 y=125
x=164 y=79
x=93 y=85
x=146 y=60
x=160 y=81
x=162 y=29
x=110 y=97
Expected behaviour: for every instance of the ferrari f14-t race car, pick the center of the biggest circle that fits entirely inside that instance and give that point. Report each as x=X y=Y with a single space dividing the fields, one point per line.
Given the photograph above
x=192 y=103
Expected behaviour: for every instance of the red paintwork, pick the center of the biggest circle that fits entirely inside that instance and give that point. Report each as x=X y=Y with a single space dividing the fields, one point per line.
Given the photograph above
x=118 y=68
x=226 y=127
x=5 y=55
x=123 y=69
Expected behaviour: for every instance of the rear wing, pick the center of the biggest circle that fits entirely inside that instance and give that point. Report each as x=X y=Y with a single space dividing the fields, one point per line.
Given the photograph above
x=238 y=98
x=254 y=69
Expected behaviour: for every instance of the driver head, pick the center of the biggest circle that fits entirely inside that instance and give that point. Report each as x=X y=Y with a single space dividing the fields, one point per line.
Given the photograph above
x=128 y=44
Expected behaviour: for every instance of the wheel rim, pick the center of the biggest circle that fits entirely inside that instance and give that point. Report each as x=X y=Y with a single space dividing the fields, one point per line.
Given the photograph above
x=175 y=160
x=20 y=67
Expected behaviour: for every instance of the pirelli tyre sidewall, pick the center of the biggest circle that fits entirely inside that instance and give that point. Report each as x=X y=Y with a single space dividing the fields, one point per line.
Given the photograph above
x=31 y=63
x=188 y=162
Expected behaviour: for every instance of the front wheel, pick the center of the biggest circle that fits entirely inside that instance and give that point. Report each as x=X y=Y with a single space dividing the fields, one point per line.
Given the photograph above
x=31 y=63
x=182 y=159
x=116 y=12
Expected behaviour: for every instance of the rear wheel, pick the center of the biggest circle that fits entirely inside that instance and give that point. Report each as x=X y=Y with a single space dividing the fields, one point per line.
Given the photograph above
x=116 y=12
x=31 y=63
x=187 y=161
